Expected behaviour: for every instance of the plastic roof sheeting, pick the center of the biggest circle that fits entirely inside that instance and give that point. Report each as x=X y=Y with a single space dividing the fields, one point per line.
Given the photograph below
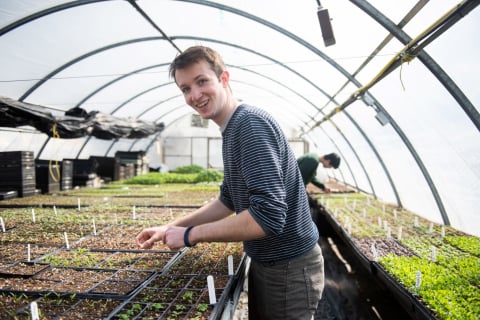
x=113 y=57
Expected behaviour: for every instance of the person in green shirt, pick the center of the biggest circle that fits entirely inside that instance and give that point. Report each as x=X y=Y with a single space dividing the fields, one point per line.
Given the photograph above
x=308 y=164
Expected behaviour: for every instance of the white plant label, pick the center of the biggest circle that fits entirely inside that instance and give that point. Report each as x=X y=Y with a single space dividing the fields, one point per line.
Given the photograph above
x=211 y=290
x=55 y=210
x=443 y=231
x=28 y=252
x=94 y=227
x=418 y=279
x=116 y=218
x=230 y=265
x=434 y=254
x=415 y=222
x=430 y=229
x=374 y=252
x=78 y=204
x=34 y=311
x=3 y=224
x=400 y=229
x=33 y=215
x=67 y=245
x=134 y=213
x=395 y=214
x=389 y=233
x=171 y=213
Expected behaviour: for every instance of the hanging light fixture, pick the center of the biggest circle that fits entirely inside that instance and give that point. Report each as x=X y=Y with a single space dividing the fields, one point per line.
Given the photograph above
x=325 y=25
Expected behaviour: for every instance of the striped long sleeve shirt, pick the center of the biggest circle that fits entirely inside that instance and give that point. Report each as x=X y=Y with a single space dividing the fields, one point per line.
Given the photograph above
x=261 y=174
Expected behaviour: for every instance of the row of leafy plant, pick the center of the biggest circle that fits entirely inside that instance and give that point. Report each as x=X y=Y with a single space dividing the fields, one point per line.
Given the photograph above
x=449 y=296
x=446 y=260
x=183 y=174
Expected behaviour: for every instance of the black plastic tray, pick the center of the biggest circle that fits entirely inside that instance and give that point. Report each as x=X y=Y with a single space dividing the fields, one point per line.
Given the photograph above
x=411 y=304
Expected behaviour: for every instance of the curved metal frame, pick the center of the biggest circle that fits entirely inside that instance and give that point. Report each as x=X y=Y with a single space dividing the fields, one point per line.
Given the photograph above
x=402 y=36
x=423 y=56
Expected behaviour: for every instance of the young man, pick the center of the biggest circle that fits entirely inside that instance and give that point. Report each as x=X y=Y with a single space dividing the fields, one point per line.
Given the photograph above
x=308 y=164
x=262 y=186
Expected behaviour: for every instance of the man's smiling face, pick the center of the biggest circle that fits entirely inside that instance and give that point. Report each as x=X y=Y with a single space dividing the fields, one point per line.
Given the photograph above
x=204 y=91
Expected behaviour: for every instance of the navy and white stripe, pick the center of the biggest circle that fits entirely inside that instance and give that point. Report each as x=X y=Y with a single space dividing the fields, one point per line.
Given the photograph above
x=262 y=175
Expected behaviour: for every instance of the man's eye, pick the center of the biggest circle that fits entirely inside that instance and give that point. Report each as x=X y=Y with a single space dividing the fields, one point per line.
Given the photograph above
x=185 y=90
x=201 y=82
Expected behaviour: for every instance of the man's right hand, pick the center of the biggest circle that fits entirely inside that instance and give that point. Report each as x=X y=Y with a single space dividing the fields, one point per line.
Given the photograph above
x=147 y=238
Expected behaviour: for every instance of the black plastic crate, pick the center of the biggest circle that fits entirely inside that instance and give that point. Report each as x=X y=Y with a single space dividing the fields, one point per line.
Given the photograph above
x=17 y=172
x=67 y=175
x=17 y=157
x=107 y=167
x=84 y=172
x=138 y=159
x=47 y=176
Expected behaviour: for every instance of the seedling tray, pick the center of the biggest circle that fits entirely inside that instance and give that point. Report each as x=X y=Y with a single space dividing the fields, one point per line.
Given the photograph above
x=410 y=302
x=22 y=270
x=16 y=252
x=81 y=282
x=181 y=297
x=68 y=307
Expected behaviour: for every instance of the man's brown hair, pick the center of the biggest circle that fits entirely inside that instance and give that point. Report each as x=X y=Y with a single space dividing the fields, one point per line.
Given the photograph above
x=196 y=54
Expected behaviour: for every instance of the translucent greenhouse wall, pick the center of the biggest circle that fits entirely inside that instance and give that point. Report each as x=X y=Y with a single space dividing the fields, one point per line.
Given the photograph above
x=183 y=144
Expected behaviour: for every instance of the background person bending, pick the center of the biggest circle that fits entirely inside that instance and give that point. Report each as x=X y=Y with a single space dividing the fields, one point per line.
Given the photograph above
x=308 y=164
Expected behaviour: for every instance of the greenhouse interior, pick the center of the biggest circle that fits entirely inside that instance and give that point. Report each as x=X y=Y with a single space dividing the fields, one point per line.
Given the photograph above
x=98 y=142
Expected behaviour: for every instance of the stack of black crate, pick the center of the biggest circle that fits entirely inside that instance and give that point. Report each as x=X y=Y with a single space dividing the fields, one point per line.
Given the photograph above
x=53 y=175
x=84 y=172
x=108 y=168
x=47 y=175
x=66 y=174
x=135 y=162
x=17 y=172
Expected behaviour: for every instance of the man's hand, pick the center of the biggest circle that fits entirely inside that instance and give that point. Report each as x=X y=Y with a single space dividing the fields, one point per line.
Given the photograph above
x=147 y=238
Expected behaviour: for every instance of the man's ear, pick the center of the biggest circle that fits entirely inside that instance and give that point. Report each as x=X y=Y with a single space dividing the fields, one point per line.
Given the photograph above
x=224 y=77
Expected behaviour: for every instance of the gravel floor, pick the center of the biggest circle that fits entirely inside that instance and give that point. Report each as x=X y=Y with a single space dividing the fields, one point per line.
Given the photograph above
x=241 y=312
